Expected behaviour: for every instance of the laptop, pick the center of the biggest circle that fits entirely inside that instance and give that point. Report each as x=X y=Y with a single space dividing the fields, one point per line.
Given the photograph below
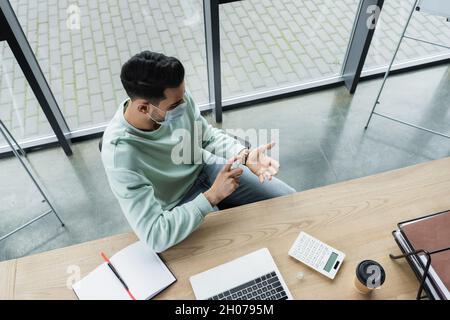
x=252 y=277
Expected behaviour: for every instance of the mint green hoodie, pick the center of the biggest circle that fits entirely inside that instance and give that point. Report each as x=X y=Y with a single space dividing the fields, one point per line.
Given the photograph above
x=149 y=182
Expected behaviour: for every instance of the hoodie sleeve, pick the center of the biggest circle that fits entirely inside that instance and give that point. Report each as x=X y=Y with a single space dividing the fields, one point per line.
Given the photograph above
x=158 y=228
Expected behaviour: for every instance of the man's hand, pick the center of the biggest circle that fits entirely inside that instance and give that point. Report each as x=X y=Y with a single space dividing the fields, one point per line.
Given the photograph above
x=226 y=183
x=262 y=165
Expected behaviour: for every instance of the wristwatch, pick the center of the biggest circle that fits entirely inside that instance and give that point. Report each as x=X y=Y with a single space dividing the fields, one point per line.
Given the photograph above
x=246 y=153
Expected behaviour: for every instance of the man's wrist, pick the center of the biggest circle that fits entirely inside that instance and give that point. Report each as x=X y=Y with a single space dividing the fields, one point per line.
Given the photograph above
x=211 y=198
x=244 y=154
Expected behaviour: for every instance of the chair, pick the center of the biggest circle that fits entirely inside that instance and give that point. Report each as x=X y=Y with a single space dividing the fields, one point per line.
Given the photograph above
x=20 y=154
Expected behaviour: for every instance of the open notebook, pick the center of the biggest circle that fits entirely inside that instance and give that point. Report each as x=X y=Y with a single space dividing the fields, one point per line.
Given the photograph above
x=141 y=269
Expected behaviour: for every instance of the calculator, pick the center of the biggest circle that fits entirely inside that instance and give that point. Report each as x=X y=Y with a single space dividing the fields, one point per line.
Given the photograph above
x=317 y=255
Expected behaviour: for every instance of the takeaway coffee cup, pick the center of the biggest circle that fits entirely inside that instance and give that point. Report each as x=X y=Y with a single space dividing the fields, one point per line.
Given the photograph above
x=370 y=276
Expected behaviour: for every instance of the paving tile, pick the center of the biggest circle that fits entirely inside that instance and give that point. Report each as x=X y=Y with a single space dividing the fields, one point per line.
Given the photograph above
x=280 y=41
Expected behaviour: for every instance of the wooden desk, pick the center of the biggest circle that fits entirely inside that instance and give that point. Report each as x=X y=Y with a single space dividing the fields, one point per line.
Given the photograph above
x=356 y=217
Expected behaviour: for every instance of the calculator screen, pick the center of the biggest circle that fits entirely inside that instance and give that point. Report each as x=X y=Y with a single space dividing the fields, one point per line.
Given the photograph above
x=331 y=261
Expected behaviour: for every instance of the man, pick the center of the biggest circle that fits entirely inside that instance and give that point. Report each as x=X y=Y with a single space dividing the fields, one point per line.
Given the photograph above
x=165 y=199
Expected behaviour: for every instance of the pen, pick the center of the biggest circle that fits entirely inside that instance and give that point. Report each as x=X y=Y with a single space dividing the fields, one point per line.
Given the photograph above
x=110 y=265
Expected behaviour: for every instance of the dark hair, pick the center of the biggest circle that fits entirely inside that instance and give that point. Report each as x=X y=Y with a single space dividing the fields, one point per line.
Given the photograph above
x=148 y=74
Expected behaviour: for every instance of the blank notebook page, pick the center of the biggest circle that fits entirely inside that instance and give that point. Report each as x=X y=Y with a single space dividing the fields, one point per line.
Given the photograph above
x=100 y=284
x=143 y=271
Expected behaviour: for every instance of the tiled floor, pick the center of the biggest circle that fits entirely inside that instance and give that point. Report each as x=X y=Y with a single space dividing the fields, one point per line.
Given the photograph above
x=322 y=141
x=265 y=44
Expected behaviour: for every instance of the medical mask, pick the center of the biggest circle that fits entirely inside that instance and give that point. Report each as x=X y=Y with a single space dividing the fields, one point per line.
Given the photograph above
x=173 y=115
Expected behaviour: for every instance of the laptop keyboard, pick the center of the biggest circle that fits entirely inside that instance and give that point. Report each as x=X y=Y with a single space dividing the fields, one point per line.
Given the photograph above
x=267 y=287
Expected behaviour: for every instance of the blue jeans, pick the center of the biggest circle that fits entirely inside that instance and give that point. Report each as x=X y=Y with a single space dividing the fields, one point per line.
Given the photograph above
x=249 y=191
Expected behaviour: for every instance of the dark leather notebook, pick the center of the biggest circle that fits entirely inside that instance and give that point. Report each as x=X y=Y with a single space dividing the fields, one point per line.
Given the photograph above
x=432 y=234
